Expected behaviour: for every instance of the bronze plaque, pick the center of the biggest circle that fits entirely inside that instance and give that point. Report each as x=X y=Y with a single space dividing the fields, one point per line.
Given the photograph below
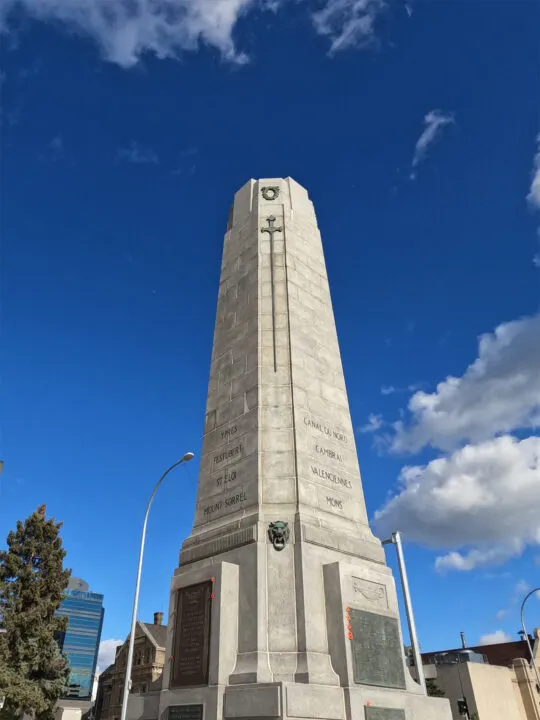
x=379 y=713
x=185 y=712
x=376 y=650
x=191 y=645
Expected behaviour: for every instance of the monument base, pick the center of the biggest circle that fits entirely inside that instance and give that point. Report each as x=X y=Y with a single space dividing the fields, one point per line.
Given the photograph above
x=345 y=663
x=290 y=701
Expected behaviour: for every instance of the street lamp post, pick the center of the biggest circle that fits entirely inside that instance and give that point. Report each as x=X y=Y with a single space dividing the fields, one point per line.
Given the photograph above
x=396 y=540
x=526 y=634
x=127 y=682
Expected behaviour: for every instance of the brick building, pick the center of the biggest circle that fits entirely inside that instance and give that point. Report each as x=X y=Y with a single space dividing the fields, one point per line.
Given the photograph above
x=148 y=661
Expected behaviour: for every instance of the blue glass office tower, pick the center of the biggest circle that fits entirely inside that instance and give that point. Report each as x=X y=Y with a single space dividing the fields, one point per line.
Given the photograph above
x=80 y=642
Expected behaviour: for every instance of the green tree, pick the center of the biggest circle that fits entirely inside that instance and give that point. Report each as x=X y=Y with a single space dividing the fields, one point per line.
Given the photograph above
x=433 y=690
x=33 y=672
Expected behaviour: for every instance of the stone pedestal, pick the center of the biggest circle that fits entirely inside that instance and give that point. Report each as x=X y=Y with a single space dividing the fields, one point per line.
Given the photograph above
x=282 y=605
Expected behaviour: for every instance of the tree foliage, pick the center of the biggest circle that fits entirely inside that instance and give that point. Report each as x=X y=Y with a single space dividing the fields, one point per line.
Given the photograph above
x=433 y=690
x=33 y=672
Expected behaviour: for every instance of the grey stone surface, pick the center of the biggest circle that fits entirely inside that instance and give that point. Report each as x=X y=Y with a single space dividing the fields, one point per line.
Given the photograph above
x=378 y=713
x=279 y=445
x=252 y=702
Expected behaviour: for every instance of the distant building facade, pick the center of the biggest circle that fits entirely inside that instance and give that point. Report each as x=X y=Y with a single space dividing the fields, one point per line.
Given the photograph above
x=80 y=642
x=496 y=681
x=148 y=661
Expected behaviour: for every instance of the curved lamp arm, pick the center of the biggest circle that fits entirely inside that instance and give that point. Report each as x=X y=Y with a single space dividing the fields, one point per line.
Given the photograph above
x=127 y=680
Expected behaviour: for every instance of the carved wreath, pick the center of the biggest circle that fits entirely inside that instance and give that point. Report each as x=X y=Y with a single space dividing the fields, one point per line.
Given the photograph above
x=270 y=192
x=375 y=594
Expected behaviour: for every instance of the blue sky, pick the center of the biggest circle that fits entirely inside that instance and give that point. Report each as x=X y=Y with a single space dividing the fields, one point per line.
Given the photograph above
x=414 y=127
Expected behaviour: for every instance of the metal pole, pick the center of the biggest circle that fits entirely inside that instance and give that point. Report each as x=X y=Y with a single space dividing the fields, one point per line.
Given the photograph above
x=533 y=659
x=127 y=680
x=396 y=540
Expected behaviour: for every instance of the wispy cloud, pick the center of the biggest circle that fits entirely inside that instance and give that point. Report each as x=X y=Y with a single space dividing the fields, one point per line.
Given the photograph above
x=348 y=23
x=533 y=198
x=502 y=575
x=374 y=423
x=57 y=145
x=434 y=123
x=186 y=161
x=391 y=389
x=534 y=193
x=125 y=32
x=494 y=638
x=137 y=154
x=522 y=588
x=55 y=150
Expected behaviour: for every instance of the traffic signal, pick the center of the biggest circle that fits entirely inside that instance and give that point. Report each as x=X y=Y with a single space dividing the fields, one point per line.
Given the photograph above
x=462 y=707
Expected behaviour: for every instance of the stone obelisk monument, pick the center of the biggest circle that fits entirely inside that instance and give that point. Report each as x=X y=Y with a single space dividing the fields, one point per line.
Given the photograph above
x=282 y=605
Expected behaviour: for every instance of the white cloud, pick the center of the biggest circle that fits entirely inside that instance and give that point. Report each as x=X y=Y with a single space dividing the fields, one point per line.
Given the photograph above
x=391 y=389
x=501 y=613
x=374 y=423
x=124 y=31
x=137 y=154
x=534 y=193
x=522 y=588
x=107 y=653
x=533 y=197
x=494 y=638
x=499 y=392
x=435 y=121
x=477 y=558
x=483 y=499
x=348 y=23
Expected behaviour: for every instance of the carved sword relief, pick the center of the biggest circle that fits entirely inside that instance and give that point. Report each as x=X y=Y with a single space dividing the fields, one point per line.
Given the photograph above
x=271 y=229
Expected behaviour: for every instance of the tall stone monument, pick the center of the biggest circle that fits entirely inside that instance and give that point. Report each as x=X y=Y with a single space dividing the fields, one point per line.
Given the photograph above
x=282 y=605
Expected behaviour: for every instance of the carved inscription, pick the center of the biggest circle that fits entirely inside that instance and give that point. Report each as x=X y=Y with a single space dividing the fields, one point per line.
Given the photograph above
x=191 y=644
x=329 y=453
x=229 y=454
x=228 y=477
x=380 y=713
x=376 y=649
x=371 y=592
x=185 y=712
x=334 y=502
x=325 y=475
x=326 y=429
x=228 y=502
x=229 y=432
